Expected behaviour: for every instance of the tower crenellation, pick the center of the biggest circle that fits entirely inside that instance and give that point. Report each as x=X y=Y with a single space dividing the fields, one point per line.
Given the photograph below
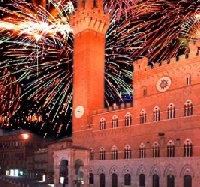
x=90 y=15
x=141 y=65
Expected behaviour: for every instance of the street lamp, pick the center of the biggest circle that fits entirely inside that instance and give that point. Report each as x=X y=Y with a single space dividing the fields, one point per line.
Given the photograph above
x=25 y=136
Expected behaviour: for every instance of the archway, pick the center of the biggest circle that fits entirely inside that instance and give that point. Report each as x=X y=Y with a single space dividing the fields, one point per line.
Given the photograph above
x=156 y=182
x=170 y=181
x=102 y=180
x=114 y=180
x=187 y=181
x=79 y=172
x=64 y=171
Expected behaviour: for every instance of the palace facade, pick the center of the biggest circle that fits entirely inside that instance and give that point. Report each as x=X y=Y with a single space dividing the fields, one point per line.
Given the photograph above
x=152 y=142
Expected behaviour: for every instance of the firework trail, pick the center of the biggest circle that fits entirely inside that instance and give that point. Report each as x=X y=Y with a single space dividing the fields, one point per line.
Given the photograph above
x=37 y=47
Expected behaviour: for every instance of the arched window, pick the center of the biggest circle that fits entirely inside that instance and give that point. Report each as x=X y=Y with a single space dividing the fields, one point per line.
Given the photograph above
x=156 y=180
x=156 y=113
x=187 y=181
x=128 y=119
x=102 y=123
x=102 y=180
x=142 y=180
x=91 y=154
x=91 y=178
x=127 y=179
x=171 y=111
x=143 y=116
x=114 y=180
x=102 y=154
x=114 y=121
x=142 y=153
x=170 y=149
x=188 y=80
x=188 y=148
x=127 y=152
x=170 y=181
x=114 y=153
x=156 y=149
x=188 y=108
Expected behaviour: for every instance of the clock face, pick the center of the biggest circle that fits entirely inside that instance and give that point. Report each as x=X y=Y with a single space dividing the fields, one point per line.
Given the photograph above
x=163 y=84
x=79 y=111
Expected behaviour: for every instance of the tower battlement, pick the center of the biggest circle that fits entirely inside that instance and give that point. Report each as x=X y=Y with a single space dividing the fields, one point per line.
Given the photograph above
x=90 y=15
x=141 y=65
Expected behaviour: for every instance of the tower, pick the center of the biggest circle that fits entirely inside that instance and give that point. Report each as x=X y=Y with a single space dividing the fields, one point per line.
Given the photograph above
x=90 y=25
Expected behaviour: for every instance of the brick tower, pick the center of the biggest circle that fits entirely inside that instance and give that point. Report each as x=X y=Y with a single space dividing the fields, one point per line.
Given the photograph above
x=90 y=25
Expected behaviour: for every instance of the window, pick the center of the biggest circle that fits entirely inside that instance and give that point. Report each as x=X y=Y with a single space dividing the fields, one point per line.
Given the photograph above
x=188 y=148
x=114 y=121
x=91 y=178
x=127 y=152
x=156 y=150
x=102 y=123
x=156 y=114
x=102 y=154
x=142 y=180
x=170 y=181
x=145 y=92
x=187 y=181
x=142 y=151
x=188 y=80
x=91 y=154
x=114 y=153
x=114 y=180
x=171 y=111
x=170 y=149
x=142 y=116
x=95 y=4
x=188 y=108
x=128 y=119
x=156 y=180
x=102 y=180
x=127 y=179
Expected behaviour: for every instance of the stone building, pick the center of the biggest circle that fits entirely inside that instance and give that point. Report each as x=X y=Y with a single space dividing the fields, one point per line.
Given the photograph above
x=152 y=142
x=15 y=148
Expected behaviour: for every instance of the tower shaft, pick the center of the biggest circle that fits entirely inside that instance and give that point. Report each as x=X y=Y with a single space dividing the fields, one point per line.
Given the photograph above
x=90 y=25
